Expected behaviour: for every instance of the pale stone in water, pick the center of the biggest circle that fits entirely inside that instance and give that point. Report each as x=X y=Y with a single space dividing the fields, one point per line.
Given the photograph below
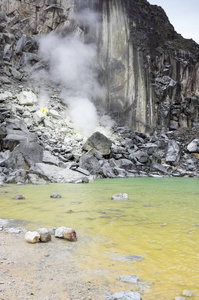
x=129 y=279
x=120 y=197
x=125 y=295
x=32 y=237
x=187 y=293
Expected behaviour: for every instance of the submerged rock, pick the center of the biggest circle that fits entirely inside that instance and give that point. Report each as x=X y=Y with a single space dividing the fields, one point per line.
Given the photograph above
x=55 y=195
x=129 y=279
x=19 y=197
x=126 y=295
x=187 y=293
x=120 y=197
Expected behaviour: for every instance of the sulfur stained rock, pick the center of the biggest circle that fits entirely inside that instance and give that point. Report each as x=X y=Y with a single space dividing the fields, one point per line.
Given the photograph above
x=66 y=233
x=32 y=237
x=70 y=235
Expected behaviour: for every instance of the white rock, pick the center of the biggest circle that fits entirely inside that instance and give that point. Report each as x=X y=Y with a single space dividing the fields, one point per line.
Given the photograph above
x=4 y=96
x=32 y=237
x=59 y=232
x=187 y=293
x=193 y=146
x=27 y=98
x=38 y=117
x=53 y=113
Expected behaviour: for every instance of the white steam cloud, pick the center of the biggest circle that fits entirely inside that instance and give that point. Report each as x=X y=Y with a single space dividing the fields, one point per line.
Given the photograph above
x=70 y=62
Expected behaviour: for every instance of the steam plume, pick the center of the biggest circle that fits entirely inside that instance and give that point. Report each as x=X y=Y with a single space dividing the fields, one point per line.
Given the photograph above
x=70 y=65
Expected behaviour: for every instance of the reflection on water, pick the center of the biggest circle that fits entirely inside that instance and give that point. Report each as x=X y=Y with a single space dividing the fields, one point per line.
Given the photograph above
x=154 y=235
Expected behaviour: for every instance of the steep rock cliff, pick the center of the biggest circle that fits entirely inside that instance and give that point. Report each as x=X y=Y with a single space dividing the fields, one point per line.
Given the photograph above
x=150 y=72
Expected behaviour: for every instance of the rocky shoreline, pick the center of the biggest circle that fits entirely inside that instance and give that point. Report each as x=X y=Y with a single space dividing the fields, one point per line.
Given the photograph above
x=40 y=145
x=44 y=262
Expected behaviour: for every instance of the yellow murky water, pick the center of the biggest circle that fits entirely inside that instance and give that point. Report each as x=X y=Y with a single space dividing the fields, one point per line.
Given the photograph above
x=160 y=223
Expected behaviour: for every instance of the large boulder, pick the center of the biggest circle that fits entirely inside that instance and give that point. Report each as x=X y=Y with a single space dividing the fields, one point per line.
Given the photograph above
x=99 y=142
x=25 y=155
x=57 y=174
x=90 y=163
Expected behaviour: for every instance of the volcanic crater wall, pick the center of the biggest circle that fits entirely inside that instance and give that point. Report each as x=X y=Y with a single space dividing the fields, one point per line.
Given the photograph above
x=150 y=73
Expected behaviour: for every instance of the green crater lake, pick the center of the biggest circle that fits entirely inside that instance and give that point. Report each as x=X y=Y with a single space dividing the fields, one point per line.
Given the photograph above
x=154 y=235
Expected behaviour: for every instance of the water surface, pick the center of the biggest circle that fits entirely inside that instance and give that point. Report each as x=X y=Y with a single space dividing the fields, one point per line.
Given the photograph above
x=160 y=223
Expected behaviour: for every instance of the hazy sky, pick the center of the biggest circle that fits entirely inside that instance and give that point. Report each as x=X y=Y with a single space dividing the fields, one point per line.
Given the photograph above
x=183 y=15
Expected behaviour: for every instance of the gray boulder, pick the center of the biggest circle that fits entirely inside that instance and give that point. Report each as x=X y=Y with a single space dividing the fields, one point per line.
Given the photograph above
x=57 y=174
x=99 y=142
x=139 y=156
x=173 y=153
x=158 y=167
x=193 y=146
x=17 y=176
x=107 y=171
x=90 y=163
x=34 y=179
x=124 y=163
x=25 y=155
x=126 y=295
x=50 y=159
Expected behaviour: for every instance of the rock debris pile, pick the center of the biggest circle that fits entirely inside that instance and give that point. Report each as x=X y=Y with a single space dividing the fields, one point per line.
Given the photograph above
x=39 y=147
